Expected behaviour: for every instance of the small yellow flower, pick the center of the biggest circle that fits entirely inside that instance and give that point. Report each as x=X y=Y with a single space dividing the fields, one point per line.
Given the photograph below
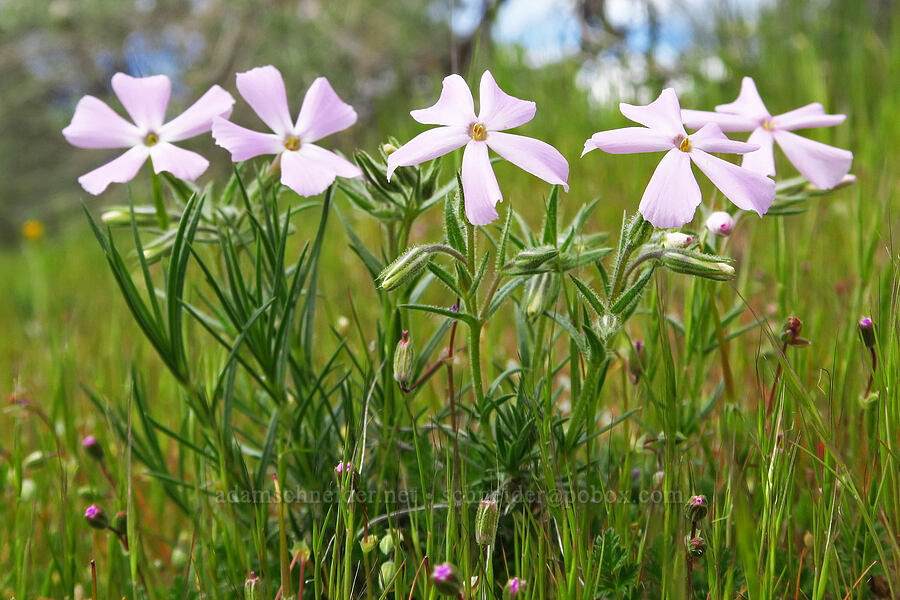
x=32 y=230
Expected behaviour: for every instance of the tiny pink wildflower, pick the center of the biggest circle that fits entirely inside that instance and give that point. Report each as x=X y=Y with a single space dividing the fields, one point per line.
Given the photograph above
x=306 y=168
x=672 y=195
x=343 y=467
x=96 y=125
x=823 y=165
x=455 y=113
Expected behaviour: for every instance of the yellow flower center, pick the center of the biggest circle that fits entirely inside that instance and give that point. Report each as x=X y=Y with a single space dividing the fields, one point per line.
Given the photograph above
x=479 y=133
x=685 y=145
x=292 y=143
x=151 y=139
x=768 y=125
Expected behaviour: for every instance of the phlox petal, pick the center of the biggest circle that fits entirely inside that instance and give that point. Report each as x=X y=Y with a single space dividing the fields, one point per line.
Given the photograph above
x=323 y=112
x=340 y=165
x=480 y=188
x=532 y=155
x=672 y=195
x=499 y=110
x=663 y=114
x=695 y=119
x=244 y=143
x=145 y=98
x=746 y=190
x=263 y=89
x=181 y=163
x=454 y=107
x=711 y=139
x=120 y=170
x=806 y=117
x=822 y=164
x=748 y=102
x=96 y=125
x=198 y=118
x=760 y=161
x=306 y=176
x=630 y=140
x=426 y=146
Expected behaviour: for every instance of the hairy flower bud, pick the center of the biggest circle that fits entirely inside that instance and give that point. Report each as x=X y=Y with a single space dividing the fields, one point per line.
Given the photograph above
x=368 y=543
x=720 y=223
x=405 y=268
x=696 y=546
x=404 y=361
x=532 y=258
x=676 y=239
x=699 y=265
x=250 y=587
x=120 y=523
x=513 y=588
x=446 y=580
x=540 y=293
x=867 y=332
x=696 y=508
x=486 y=519
x=92 y=447
x=95 y=517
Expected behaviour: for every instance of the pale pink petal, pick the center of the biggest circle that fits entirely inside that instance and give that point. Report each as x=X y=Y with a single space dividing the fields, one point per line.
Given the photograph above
x=145 y=98
x=821 y=164
x=454 y=107
x=263 y=89
x=499 y=110
x=198 y=118
x=806 y=117
x=181 y=163
x=748 y=102
x=537 y=157
x=630 y=140
x=746 y=189
x=663 y=114
x=480 y=188
x=426 y=146
x=340 y=165
x=306 y=176
x=711 y=139
x=120 y=170
x=760 y=161
x=695 y=119
x=244 y=143
x=323 y=112
x=96 y=125
x=672 y=195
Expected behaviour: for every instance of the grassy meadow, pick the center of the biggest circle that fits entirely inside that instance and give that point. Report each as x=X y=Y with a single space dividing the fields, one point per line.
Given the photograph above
x=800 y=468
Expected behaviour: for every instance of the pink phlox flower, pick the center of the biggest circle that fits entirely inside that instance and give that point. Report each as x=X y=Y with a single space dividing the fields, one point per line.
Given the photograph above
x=306 y=168
x=672 y=195
x=821 y=164
x=459 y=126
x=96 y=125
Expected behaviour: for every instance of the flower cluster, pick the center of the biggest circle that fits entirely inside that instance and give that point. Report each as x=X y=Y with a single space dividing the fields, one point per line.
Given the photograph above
x=669 y=200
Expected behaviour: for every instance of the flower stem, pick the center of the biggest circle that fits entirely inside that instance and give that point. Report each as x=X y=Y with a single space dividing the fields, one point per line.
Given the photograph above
x=156 y=187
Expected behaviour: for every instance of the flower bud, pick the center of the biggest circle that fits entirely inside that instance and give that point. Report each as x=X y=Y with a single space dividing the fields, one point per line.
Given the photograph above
x=386 y=573
x=405 y=268
x=790 y=332
x=388 y=149
x=867 y=332
x=179 y=558
x=720 y=223
x=676 y=239
x=446 y=580
x=368 y=543
x=35 y=460
x=696 y=546
x=540 y=293
x=698 y=265
x=513 y=588
x=532 y=258
x=637 y=361
x=486 y=519
x=607 y=326
x=120 y=523
x=696 y=508
x=250 y=587
x=95 y=517
x=404 y=361
x=92 y=447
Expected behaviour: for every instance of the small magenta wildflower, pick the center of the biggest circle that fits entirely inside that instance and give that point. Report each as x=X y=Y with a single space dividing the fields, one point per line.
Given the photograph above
x=455 y=112
x=824 y=166
x=92 y=447
x=306 y=168
x=343 y=467
x=95 y=517
x=672 y=195
x=96 y=125
x=696 y=508
x=446 y=580
x=514 y=587
x=867 y=332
